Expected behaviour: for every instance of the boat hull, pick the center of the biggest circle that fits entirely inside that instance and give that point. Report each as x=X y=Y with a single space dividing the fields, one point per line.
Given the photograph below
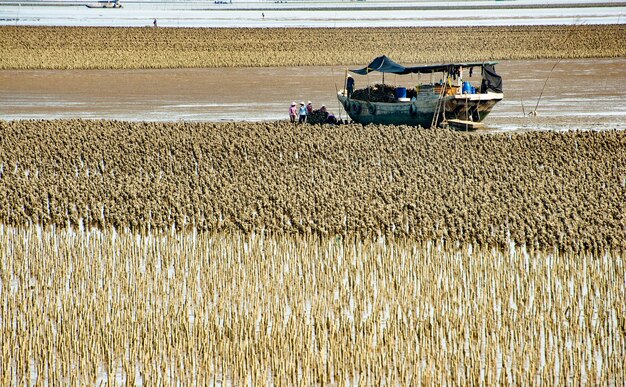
x=470 y=107
x=421 y=110
x=415 y=113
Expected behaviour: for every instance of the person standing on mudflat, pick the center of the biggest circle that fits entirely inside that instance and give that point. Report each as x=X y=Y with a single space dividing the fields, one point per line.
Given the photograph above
x=350 y=85
x=303 y=113
x=293 y=111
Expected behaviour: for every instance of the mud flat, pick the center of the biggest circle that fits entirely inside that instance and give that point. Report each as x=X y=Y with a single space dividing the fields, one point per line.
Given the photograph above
x=579 y=93
x=141 y=48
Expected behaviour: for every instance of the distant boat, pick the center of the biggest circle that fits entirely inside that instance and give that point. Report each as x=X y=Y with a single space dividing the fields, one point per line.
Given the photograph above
x=105 y=4
x=429 y=104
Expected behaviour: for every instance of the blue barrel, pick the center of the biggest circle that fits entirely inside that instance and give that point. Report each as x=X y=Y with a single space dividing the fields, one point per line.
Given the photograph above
x=467 y=88
x=401 y=92
x=473 y=90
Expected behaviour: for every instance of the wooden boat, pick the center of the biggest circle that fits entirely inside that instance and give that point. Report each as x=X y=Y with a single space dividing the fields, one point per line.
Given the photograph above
x=426 y=105
x=105 y=4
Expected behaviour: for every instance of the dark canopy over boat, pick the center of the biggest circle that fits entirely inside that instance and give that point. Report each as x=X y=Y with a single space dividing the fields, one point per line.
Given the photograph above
x=383 y=64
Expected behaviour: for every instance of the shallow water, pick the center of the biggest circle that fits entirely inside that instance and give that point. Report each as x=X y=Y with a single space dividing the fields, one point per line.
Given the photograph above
x=579 y=94
x=315 y=13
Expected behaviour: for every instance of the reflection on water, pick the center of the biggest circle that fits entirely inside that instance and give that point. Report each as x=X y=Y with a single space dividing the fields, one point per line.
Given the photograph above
x=579 y=94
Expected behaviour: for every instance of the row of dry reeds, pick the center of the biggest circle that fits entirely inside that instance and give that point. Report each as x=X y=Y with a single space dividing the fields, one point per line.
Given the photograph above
x=133 y=48
x=83 y=307
x=544 y=190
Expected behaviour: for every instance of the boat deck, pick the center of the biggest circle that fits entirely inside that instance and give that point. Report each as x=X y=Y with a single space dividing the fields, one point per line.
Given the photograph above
x=464 y=125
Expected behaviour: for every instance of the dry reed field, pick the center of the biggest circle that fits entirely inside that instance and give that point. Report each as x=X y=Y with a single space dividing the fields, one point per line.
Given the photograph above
x=86 y=307
x=545 y=190
x=132 y=48
x=268 y=254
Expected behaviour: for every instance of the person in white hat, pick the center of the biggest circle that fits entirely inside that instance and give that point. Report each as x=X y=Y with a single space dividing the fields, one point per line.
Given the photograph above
x=303 y=113
x=309 y=107
x=293 y=112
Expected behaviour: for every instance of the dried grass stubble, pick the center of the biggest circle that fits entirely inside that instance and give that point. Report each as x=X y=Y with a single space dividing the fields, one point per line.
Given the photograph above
x=199 y=308
x=543 y=189
x=136 y=48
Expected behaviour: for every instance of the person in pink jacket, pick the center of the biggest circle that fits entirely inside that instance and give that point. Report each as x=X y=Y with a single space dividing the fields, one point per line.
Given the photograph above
x=293 y=112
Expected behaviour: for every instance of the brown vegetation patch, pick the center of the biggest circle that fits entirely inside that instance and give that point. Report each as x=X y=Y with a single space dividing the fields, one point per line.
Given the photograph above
x=542 y=189
x=132 y=48
x=248 y=308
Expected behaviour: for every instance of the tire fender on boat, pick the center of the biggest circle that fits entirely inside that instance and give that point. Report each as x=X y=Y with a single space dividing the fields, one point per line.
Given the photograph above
x=371 y=108
x=413 y=110
x=356 y=108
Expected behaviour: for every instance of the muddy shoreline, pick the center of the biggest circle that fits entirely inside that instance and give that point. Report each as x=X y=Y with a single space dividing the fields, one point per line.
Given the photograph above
x=579 y=94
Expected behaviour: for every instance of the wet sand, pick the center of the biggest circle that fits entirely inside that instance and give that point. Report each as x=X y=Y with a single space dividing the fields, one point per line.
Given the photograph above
x=579 y=94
